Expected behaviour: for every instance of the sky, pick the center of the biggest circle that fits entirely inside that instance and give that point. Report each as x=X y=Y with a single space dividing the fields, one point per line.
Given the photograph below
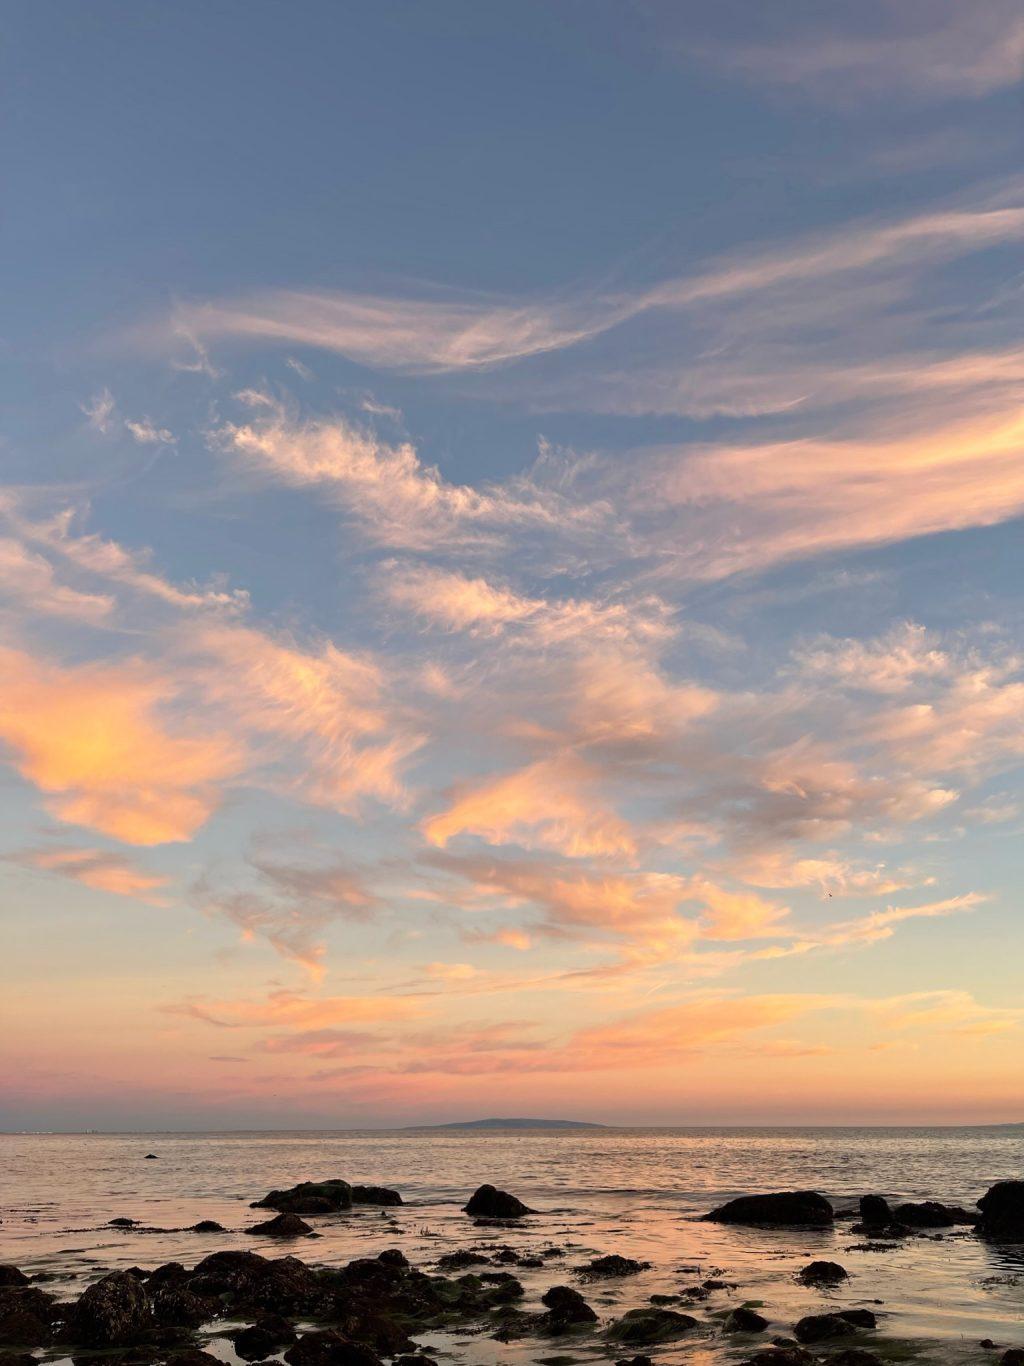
x=510 y=562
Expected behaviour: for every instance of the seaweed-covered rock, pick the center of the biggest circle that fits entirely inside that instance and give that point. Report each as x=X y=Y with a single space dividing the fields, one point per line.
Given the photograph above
x=649 y=1325
x=207 y=1226
x=875 y=1211
x=375 y=1195
x=282 y=1226
x=566 y=1307
x=744 y=1320
x=329 y=1348
x=489 y=1203
x=1013 y=1356
x=394 y=1257
x=26 y=1316
x=780 y=1356
x=309 y=1197
x=1002 y=1213
x=613 y=1265
x=263 y=1338
x=822 y=1327
x=823 y=1273
x=114 y=1312
x=175 y=1306
x=855 y=1356
x=461 y=1258
x=782 y=1208
x=122 y=1222
x=11 y=1275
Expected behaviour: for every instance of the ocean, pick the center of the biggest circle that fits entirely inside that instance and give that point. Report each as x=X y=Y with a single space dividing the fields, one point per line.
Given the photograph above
x=637 y=1192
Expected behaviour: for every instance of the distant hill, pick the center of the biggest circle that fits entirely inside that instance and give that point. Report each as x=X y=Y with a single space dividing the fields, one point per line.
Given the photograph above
x=512 y=1124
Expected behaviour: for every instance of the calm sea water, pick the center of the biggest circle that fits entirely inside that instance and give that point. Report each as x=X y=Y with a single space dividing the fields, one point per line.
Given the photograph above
x=636 y=1192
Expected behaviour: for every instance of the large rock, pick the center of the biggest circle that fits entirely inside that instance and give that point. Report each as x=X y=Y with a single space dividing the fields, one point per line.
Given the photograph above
x=282 y=1226
x=328 y=1348
x=640 y=1327
x=11 y=1275
x=822 y=1328
x=1002 y=1212
x=26 y=1316
x=927 y=1214
x=744 y=1320
x=783 y=1208
x=566 y=1307
x=309 y=1197
x=114 y=1312
x=875 y=1211
x=823 y=1273
x=375 y=1195
x=489 y=1203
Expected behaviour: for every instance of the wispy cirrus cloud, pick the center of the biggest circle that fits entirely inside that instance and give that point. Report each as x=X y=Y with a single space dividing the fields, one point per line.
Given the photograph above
x=100 y=869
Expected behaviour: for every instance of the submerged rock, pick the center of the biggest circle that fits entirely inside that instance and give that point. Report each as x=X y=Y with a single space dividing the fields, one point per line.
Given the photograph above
x=783 y=1208
x=121 y=1222
x=309 y=1197
x=375 y=1195
x=458 y=1261
x=489 y=1203
x=823 y=1273
x=114 y=1312
x=822 y=1327
x=649 y=1325
x=207 y=1226
x=1002 y=1213
x=613 y=1265
x=283 y=1226
x=927 y=1214
x=744 y=1320
x=860 y=1318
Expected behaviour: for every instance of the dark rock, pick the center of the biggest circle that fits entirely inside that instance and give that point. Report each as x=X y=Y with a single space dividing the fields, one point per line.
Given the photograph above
x=613 y=1265
x=501 y=1287
x=253 y=1343
x=927 y=1214
x=122 y=1223
x=635 y=1361
x=458 y=1261
x=17 y=1359
x=1002 y=1213
x=329 y=1348
x=644 y=1326
x=780 y=1356
x=192 y=1356
x=114 y=1312
x=821 y=1327
x=150 y=1157
x=393 y=1256
x=309 y=1197
x=744 y=1320
x=26 y=1316
x=489 y=1203
x=1013 y=1357
x=375 y=1195
x=178 y=1307
x=860 y=1318
x=855 y=1356
x=823 y=1273
x=874 y=1211
x=414 y=1360
x=171 y=1273
x=207 y=1226
x=566 y=1306
x=283 y=1226
x=10 y=1275
x=784 y=1208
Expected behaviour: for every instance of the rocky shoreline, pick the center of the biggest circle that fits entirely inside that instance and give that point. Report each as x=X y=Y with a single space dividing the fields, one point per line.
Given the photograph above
x=373 y=1309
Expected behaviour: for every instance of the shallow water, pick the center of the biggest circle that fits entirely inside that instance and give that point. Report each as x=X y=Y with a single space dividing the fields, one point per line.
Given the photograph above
x=636 y=1192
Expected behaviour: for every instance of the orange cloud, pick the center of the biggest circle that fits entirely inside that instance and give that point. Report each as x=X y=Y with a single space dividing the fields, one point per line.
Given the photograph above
x=549 y=805
x=92 y=738
x=96 y=868
x=296 y=1010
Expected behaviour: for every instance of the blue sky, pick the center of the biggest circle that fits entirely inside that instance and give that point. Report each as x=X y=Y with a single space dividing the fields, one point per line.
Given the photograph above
x=510 y=542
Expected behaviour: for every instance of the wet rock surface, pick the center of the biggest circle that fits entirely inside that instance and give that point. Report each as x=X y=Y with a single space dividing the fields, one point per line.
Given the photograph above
x=375 y=1195
x=115 y=1312
x=822 y=1273
x=1002 y=1212
x=744 y=1320
x=783 y=1208
x=284 y=1226
x=487 y=1202
x=650 y=1325
x=309 y=1197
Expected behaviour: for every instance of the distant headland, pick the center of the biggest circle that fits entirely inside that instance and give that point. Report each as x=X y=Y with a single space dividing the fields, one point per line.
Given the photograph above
x=512 y=1124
